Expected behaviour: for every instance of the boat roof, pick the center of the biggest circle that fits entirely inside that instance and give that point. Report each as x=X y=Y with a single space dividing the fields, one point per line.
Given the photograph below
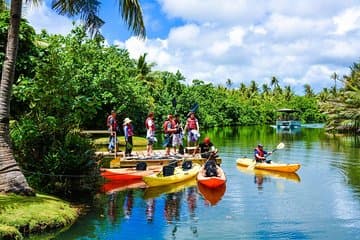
x=287 y=110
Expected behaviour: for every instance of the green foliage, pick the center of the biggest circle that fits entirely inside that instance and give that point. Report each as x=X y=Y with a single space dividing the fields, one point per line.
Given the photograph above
x=56 y=161
x=27 y=51
x=342 y=105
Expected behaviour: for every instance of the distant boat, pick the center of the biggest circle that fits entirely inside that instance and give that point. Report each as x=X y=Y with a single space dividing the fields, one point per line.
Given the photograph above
x=287 y=119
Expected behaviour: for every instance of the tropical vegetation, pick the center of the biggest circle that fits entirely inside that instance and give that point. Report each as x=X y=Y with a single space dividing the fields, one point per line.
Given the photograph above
x=11 y=178
x=342 y=105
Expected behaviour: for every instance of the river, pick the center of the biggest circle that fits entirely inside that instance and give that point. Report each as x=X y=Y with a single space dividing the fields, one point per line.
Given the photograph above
x=321 y=201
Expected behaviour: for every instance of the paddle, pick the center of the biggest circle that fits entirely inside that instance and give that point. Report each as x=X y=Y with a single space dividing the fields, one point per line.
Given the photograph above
x=279 y=146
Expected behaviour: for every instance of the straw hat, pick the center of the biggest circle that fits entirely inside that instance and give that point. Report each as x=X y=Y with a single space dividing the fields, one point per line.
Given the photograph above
x=127 y=120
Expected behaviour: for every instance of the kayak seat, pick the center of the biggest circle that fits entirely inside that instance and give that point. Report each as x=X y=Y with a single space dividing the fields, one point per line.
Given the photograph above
x=168 y=171
x=187 y=165
x=141 y=166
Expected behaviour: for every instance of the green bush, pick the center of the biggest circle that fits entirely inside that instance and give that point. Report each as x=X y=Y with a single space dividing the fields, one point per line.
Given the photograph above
x=55 y=161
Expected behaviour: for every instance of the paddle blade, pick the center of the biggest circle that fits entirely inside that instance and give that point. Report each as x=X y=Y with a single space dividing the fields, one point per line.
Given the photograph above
x=194 y=108
x=280 y=146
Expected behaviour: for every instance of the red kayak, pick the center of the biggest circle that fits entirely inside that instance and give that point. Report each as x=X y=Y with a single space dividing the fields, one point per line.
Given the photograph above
x=128 y=173
x=211 y=182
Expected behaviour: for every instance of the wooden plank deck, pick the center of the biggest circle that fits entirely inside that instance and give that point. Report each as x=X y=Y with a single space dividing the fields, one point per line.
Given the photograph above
x=158 y=158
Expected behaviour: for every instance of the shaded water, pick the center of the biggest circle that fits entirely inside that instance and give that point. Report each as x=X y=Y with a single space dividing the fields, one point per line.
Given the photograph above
x=321 y=201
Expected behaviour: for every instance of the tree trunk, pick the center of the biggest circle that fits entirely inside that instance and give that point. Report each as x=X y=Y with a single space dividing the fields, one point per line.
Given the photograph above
x=12 y=180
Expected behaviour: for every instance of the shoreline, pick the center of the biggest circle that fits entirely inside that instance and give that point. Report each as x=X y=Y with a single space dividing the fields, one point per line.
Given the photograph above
x=22 y=216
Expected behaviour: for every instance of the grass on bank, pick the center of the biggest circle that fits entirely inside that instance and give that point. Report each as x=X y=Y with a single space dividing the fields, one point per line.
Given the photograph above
x=21 y=216
x=137 y=141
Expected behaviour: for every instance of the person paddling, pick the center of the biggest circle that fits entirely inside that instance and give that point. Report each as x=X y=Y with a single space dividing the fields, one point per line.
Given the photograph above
x=260 y=154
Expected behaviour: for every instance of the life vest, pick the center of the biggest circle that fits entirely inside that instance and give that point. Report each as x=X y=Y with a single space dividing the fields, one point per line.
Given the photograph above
x=259 y=152
x=165 y=125
x=152 y=127
x=192 y=124
x=111 y=122
x=129 y=130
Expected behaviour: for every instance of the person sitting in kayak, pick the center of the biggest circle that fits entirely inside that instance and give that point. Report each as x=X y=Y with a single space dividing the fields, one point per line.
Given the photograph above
x=210 y=169
x=207 y=148
x=260 y=154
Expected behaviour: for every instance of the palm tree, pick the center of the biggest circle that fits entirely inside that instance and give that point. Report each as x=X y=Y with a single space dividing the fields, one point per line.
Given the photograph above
x=335 y=77
x=229 y=83
x=265 y=89
x=274 y=83
x=143 y=70
x=308 y=90
x=11 y=177
x=288 y=93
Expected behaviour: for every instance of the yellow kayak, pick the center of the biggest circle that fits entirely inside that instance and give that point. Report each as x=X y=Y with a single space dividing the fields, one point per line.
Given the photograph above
x=180 y=175
x=280 y=167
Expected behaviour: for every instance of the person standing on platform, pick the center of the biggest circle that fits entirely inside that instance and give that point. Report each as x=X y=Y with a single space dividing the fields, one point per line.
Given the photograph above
x=192 y=126
x=178 y=136
x=113 y=128
x=169 y=130
x=129 y=133
x=150 y=133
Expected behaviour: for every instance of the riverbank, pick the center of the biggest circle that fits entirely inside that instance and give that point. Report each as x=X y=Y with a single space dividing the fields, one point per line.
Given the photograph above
x=21 y=216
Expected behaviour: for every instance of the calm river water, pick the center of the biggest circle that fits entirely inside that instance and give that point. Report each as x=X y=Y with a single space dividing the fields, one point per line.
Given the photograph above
x=321 y=201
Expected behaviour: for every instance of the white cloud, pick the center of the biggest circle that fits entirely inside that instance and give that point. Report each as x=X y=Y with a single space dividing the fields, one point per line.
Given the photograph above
x=297 y=41
x=41 y=17
x=348 y=20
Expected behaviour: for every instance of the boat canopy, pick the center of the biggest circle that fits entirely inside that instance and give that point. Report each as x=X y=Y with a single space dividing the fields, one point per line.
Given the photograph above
x=287 y=110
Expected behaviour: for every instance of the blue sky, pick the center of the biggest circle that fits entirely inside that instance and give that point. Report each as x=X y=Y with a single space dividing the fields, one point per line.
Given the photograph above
x=299 y=42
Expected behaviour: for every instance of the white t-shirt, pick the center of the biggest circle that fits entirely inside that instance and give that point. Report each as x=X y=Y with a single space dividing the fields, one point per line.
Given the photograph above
x=150 y=132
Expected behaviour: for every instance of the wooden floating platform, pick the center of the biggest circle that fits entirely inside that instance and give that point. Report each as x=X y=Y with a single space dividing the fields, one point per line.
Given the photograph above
x=157 y=159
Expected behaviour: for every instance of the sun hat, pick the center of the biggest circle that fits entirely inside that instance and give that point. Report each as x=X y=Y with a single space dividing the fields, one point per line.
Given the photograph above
x=127 y=120
x=260 y=145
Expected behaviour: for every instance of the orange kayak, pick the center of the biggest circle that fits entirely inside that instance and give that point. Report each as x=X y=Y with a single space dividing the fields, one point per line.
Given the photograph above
x=211 y=182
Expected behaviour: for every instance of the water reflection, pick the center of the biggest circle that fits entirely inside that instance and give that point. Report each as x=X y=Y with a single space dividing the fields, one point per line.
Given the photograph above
x=154 y=192
x=150 y=209
x=263 y=176
x=212 y=195
x=295 y=208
